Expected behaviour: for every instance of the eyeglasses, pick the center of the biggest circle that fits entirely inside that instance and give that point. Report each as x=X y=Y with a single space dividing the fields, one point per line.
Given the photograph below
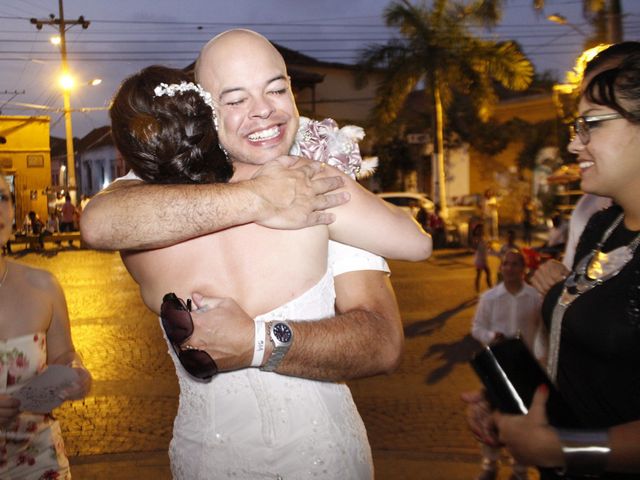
x=582 y=125
x=178 y=326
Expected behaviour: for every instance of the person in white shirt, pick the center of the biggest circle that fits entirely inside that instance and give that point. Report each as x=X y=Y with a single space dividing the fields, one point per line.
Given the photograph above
x=585 y=208
x=510 y=309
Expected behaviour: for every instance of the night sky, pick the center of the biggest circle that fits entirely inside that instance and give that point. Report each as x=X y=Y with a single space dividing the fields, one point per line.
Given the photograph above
x=125 y=36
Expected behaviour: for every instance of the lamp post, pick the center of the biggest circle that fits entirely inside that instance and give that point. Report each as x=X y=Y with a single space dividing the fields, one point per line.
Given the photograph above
x=67 y=84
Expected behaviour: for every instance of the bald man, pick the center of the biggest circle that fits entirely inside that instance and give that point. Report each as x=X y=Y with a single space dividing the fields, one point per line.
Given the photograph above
x=286 y=430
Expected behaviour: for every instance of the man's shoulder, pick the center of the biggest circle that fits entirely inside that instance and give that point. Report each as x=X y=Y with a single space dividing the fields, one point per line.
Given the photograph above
x=531 y=291
x=493 y=293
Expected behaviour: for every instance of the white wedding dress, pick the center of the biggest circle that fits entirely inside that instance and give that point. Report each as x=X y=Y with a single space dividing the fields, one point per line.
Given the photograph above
x=250 y=424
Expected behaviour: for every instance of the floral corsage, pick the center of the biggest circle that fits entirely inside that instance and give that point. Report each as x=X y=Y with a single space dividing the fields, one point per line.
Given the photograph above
x=325 y=142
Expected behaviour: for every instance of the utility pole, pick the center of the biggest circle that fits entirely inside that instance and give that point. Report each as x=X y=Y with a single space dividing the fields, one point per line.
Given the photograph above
x=13 y=94
x=614 y=21
x=62 y=26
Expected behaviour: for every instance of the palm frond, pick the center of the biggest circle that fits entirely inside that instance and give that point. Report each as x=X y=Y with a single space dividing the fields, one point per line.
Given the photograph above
x=412 y=21
x=507 y=64
x=438 y=47
x=393 y=91
x=487 y=13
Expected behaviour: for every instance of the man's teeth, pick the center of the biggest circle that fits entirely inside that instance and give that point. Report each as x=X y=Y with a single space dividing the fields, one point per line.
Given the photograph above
x=585 y=164
x=264 y=134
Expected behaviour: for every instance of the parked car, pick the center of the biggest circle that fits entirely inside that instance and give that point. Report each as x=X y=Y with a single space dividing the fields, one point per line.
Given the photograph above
x=460 y=223
x=417 y=204
x=464 y=215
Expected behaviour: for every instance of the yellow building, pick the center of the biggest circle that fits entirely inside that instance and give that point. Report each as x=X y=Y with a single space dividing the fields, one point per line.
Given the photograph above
x=26 y=159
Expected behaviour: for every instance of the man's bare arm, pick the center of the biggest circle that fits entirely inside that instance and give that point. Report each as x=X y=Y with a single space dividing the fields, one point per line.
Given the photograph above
x=132 y=215
x=364 y=339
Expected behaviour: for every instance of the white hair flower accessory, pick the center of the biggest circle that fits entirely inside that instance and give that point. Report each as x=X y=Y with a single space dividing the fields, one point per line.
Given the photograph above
x=172 y=89
x=325 y=142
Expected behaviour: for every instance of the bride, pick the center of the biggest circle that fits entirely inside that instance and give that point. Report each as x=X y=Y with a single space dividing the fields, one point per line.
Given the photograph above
x=251 y=422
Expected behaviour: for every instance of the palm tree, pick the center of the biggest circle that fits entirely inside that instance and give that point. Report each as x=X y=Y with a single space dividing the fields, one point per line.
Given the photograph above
x=437 y=49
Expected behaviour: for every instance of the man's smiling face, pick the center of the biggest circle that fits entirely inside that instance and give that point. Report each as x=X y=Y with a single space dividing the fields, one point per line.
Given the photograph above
x=247 y=77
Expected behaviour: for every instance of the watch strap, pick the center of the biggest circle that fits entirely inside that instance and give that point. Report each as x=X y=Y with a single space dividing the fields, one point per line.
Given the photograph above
x=278 y=352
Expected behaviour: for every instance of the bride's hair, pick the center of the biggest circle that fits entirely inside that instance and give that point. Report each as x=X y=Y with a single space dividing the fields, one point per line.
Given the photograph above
x=167 y=138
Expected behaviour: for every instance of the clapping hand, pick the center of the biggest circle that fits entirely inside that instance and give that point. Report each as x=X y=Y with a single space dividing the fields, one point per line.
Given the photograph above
x=548 y=274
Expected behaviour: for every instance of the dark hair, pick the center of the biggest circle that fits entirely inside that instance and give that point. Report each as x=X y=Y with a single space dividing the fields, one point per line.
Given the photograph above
x=166 y=139
x=516 y=252
x=620 y=82
x=612 y=54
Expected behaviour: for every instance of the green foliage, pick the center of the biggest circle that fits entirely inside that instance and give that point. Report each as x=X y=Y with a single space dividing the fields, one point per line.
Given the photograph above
x=438 y=49
x=488 y=137
x=535 y=137
x=393 y=157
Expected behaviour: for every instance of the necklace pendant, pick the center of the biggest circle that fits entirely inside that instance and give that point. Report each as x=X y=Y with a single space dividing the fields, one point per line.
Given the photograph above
x=595 y=267
x=567 y=297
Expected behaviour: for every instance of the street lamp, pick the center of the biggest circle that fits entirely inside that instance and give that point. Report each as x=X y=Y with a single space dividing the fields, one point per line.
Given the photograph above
x=62 y=25
x=562 y=20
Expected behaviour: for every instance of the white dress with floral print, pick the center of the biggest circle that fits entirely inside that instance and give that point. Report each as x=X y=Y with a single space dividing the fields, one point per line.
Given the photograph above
x=31 y=447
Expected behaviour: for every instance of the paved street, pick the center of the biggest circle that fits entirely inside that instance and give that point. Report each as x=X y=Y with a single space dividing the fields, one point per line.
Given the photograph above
x=414 y=417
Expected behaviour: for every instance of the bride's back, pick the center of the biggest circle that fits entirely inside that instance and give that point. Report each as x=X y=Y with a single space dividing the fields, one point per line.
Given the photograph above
x=260 y=268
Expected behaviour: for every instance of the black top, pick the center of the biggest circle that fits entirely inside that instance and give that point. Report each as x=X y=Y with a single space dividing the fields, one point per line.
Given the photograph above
x=599 y=363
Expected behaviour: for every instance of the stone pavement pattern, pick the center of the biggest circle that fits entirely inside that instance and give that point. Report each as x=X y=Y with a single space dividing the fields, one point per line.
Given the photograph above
x=122 y=429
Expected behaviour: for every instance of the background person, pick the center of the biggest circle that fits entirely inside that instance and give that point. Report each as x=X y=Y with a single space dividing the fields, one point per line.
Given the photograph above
x=583 y=211
x=490 y=214
x=528 y=220
x=481 y=257
x=510 y=309
x=35 y=332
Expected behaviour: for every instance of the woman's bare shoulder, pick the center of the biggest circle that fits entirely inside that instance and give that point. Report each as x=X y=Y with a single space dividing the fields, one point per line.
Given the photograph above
x=34 y=276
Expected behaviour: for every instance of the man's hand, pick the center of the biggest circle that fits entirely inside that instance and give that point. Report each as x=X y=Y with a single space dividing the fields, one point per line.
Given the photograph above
x=224 y=331
x=548 y=274
x=529 y=438
x=293 y=198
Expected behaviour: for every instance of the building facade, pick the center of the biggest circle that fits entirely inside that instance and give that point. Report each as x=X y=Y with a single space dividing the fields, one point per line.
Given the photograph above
x=25 y=157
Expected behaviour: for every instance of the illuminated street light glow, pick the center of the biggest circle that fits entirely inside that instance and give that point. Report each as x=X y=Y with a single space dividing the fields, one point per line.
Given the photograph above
x=557 y=18
x=55 y=40
x=67 y=82
x=95 y=81
x=562 y=20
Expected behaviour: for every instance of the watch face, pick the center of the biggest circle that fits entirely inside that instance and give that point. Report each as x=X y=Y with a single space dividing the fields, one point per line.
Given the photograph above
x=282 y=332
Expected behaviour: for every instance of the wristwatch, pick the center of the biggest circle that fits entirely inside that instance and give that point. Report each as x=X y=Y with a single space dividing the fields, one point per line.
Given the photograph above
x=281 y=337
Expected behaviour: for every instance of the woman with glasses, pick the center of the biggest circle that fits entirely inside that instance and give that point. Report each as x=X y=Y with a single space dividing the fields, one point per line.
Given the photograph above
x=34 y=334
x=593 y=311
